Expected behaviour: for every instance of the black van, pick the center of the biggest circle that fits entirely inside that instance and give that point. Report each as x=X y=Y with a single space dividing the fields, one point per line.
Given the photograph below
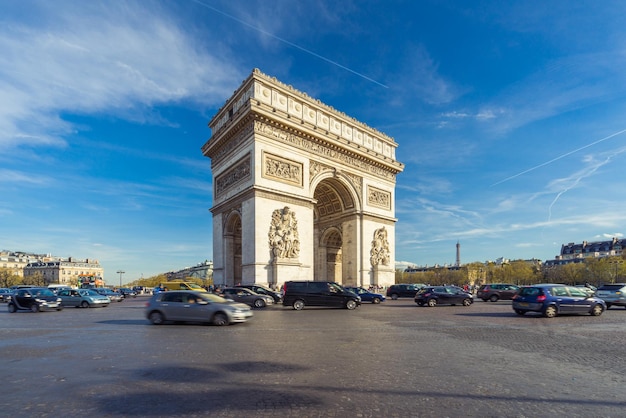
x=301 y=293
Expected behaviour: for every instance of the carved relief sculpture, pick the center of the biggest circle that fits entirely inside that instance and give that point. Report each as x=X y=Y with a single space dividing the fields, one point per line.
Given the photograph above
x=378 y=197
x=283 y=236
x=281 y=169
x=240 y=171
x=380 y=253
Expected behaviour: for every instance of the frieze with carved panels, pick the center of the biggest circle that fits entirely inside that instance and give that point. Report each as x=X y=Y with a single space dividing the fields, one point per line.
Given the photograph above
x=330 y=152
x=378 y=197
x=230 y=142
x=238 y=173
x=282 y=169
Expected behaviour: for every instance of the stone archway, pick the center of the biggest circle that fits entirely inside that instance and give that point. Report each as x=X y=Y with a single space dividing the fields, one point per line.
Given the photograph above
x=328 y=259
x=334 y=216
x=233 y=250
x=300 y=190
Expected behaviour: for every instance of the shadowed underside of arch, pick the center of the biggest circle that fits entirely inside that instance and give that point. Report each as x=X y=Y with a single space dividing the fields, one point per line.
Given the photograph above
x=332 y=198
x=332 y=212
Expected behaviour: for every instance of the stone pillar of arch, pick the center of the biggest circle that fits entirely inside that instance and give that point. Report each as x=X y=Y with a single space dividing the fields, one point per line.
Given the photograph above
x=310 y=189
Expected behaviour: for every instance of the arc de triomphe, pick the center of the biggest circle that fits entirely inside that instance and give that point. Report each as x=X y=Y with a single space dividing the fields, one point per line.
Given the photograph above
x=300 y=191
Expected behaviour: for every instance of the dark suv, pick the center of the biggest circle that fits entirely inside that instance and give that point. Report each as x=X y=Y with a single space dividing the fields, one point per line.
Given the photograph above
x=496 y=291
x=35 y=299
x=396 y=291
x=301 y=293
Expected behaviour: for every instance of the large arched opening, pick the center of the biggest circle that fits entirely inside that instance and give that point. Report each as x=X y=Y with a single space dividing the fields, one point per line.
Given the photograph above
x=334 y=220
x=232 y=250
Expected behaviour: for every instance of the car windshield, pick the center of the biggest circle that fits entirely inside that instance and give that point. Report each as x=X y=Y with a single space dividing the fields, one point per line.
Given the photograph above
x=194 y=286
x=611 y=287
x=210 y=297
x=530 y=291
x=42 y=292
x=88 y=292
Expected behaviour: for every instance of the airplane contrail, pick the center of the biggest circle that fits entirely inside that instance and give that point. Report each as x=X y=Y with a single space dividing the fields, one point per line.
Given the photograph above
x=290 y=43
x=559 y=157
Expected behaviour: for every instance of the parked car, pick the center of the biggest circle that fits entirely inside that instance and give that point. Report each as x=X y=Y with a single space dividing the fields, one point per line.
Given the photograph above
x=5 y=294
x=127 y=292
x=113 y=296
x=263 y=290
x=366 y=295
x=190 y=306
x=443 y=295
x=247 y=296
x=612 y=294
x=396 y=291
x=35 y=299
x=495 y=291
x=82 y=298
x=299 y=294
x=555 y=299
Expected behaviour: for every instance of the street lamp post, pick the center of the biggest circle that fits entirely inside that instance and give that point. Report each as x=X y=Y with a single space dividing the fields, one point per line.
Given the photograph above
x=120 y=272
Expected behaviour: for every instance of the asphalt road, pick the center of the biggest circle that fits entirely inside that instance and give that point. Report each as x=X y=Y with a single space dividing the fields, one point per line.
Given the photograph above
x=388 y=360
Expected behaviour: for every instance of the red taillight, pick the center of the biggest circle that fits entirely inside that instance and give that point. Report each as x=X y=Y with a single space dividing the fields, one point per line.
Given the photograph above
x=541 y=298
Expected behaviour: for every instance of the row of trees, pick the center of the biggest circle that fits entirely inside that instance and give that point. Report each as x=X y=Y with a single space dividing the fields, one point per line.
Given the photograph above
x=8 y=278
x=595 y=271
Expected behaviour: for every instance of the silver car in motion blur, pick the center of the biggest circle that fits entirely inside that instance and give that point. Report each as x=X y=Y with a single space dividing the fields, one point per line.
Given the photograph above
x=190 y=306
x=83 y=298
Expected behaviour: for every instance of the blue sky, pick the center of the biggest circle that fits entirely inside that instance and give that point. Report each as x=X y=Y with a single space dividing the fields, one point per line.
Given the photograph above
x=510 y=117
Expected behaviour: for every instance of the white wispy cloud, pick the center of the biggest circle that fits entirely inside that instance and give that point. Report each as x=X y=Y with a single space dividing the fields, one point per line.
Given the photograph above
x=110 y=58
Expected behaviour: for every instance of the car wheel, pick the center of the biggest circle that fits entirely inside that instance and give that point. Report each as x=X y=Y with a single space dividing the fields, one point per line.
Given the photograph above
x=520 y=312
x=220 y=319
x=467 y=302
x=60 y=308
x=298 y=305
x=550 y=312
x=420 y=303
x=432 y=302
x=394 y=296
x=259 y=303
x=34 y=307
x=350 y=305
x=493 y=298
x=84 y=304
x=608 y=305
x=12 y=308
x=156 y=318
x=376 y=300
x=597 y=310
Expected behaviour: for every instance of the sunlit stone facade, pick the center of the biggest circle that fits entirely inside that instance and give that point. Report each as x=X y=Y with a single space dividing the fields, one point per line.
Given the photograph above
x=300 y=190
